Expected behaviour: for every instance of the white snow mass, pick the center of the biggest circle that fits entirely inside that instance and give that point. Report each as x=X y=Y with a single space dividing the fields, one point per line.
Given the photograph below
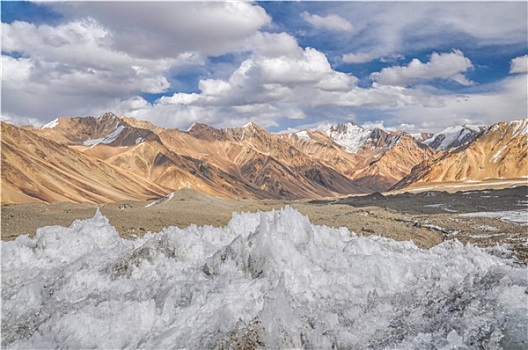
x=51 y=124
x=107 y=139
x=269 y=279
x=349 y=135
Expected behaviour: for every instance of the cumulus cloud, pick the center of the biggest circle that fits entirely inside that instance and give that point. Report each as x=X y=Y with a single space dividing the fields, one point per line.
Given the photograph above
x=271 y=44
x=265 y=88
x=92 y=59
x=298 y=83
x=519 y=64
x=170 y=28
x=91 y=62
x=502 y=101
x=329 y=22
x=448 y=66
x=20 y=120
x=74 y=65
x=358 y=57
x=269 y=90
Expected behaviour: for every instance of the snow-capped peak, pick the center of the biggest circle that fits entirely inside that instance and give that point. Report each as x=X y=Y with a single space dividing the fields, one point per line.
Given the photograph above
x=247 y=125
x=349 y=135
x=453 y=136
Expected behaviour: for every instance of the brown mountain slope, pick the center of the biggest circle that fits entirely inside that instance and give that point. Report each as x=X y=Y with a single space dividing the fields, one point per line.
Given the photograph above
x=269 y=162
x=244 y=162
x=108 y=129
x=383 y=158
x=35 y=169
x=499 y=153
x=395 y=155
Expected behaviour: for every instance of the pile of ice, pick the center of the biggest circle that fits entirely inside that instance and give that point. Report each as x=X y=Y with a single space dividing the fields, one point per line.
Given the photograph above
x=267 y=279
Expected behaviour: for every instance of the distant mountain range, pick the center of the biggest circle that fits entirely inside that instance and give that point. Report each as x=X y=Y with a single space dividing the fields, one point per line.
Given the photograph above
x=111 y=158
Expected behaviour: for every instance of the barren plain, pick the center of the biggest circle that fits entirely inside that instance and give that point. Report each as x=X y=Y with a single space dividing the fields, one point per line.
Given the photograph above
x=482 y=217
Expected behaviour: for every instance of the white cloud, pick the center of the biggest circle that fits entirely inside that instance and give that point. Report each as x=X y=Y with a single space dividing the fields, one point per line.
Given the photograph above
x=358 y=57
x=20 y=121
x=272 y=44
x=92 y=62
x=380 y=124
x=294 y=84
x=263 y=88
x=505 y=100
x=519 y=64
x=449 y=66
x=84 y=43
x=270 y=89
x=74 y=65
x=395 y=27
x=165 y=29
x=311 y=67
x=93 y=58
x=329 y=22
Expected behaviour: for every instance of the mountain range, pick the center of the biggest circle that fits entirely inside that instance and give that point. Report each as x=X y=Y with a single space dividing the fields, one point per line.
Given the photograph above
x=112 y=158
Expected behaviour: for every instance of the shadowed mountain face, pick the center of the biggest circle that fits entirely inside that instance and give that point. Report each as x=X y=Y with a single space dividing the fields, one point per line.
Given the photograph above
x=115 y=158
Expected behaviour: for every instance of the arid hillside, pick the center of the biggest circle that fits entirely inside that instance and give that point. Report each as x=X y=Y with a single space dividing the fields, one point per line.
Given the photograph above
x=36 y=169
x=500 y=152
x=109 y=158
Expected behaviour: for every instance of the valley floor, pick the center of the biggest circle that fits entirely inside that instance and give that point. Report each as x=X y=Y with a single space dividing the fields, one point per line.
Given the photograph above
x=481 y=217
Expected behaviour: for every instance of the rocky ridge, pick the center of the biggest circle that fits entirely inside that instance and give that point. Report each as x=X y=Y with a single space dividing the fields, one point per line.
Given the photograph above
x=499 y=152
x=250 y=162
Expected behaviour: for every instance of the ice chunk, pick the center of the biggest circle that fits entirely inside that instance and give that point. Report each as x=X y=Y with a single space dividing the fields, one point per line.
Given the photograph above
x=269 y=279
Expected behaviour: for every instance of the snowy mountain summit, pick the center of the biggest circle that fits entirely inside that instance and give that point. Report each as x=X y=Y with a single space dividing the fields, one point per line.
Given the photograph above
x=349 y=135
x=454 y=136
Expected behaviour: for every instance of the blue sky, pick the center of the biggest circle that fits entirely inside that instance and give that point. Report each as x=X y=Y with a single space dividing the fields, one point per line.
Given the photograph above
x=415 y=66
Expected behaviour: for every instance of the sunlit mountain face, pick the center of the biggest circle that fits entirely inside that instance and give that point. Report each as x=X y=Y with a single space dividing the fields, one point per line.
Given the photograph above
x=110 y=158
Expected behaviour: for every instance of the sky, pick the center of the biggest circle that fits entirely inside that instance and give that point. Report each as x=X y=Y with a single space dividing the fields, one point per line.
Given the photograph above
x=413 y=66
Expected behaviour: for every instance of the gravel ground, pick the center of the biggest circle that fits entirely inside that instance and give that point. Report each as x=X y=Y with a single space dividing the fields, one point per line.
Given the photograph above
x=426 y=218
x=475 y=216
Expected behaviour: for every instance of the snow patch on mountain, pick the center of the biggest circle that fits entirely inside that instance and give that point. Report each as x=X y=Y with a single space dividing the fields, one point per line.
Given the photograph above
x=521 y=127
x=453 y=136
x=303 y=135
x=272 y=279
x=349 y=135
x=497 y=155
x=107 y=139
x=51 y=124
